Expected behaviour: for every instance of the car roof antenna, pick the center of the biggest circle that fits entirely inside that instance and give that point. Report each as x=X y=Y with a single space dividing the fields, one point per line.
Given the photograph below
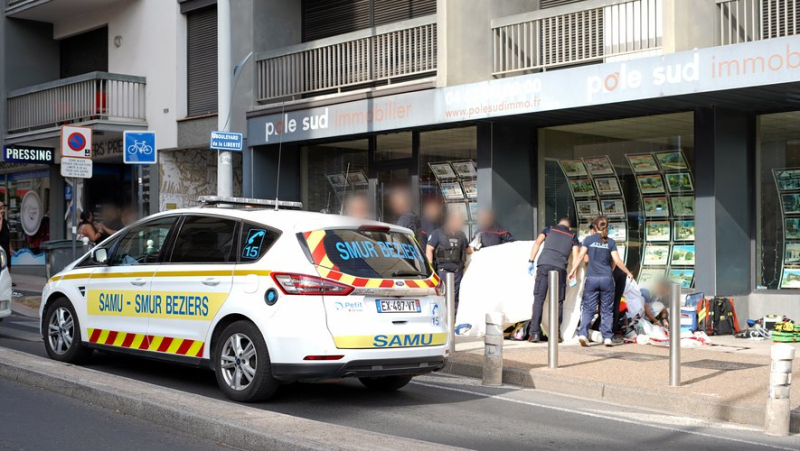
x=280 y=148
x=344 y=194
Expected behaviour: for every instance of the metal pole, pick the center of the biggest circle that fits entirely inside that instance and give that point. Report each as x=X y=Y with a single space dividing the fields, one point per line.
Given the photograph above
x=493 y=350
x=224 y=95
x=74 y=218
x=450 y=299
x=675 y=336
x=779 y=407
x=553 y=332
x=141 y=191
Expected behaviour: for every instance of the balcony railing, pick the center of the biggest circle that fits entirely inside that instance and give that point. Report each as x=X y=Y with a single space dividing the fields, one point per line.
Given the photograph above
x=754 y=20
x=578 y=33
x=388 y=53
x=96 y=96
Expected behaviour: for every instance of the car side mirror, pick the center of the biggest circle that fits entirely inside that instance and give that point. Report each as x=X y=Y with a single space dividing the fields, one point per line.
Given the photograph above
x=99 y=255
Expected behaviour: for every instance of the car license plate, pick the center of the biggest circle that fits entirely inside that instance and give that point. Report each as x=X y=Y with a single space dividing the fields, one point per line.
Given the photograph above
x=398 y=306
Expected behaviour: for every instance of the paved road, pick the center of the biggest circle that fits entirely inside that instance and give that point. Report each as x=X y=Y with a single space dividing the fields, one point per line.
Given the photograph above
x=35 y=419
x=458 y=411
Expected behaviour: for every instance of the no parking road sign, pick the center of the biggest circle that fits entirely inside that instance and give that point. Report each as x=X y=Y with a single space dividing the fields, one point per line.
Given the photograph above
x=140 y=147
x=76 y=142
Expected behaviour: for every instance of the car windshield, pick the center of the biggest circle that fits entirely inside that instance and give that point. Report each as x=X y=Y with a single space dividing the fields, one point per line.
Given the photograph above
x=368 y=253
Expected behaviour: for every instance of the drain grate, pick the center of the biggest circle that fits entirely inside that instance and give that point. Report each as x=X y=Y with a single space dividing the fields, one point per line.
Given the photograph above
x=721 y=365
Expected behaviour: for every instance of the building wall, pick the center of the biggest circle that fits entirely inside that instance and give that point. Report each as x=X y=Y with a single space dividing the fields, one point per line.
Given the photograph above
x=153 y=43
x=184 y=175
x=689 y=24
x=465 y=38
x=23 y=38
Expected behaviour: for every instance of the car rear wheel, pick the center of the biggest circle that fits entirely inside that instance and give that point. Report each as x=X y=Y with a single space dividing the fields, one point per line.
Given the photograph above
x=242 y=365
x=62 y=334
x=385 y=383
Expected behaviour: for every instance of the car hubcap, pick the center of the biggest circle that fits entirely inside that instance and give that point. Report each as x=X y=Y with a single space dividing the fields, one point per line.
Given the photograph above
x=60 y=330
x=238 y=361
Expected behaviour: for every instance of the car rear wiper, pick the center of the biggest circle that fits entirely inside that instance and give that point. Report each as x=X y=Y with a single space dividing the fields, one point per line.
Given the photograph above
x=402 y=273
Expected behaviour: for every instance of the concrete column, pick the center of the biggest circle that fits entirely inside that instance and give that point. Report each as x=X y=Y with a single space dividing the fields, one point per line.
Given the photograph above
x=724 y=213
x=265 y=170
x=507 y=175
x=57 y=204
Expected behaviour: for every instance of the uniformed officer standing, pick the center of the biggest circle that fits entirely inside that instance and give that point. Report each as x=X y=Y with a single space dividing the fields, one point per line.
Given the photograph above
x=557 y=243
x=431 y=219
x=448 y=248
x=491 y=233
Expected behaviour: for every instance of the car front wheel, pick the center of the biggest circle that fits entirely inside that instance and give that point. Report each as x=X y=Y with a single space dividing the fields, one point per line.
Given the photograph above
x=242 y=364
x=62 y=334
x=385 y=383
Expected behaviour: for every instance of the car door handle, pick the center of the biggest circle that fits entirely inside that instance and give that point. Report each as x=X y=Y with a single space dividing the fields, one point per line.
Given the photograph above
x=139 y=282
x=212 y=281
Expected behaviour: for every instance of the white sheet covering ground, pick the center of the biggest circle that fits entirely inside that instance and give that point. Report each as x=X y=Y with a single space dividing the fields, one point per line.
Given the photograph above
x=497 y=280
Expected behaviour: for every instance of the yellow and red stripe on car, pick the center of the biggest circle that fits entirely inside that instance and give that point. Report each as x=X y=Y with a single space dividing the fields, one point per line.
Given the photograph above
x=326 y=268
x=142 y=342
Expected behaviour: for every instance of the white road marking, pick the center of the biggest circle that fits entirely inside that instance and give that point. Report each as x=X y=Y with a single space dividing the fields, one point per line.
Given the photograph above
x=601 y=416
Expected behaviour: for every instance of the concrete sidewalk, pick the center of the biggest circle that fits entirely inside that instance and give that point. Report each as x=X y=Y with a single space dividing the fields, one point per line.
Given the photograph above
x=726 y=382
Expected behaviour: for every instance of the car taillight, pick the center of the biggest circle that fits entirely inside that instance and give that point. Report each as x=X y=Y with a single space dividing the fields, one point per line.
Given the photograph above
x=305 y=285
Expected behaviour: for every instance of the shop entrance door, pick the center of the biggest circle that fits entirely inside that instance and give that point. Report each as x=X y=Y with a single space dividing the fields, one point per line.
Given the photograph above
x=389 y=180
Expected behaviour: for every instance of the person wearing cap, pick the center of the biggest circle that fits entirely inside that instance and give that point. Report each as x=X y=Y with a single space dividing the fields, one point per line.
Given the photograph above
x=557 y=244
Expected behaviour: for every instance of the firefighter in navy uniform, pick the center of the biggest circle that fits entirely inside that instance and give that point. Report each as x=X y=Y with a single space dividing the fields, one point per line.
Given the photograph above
x=557 y=244
x=491 y=233
x=448 y=248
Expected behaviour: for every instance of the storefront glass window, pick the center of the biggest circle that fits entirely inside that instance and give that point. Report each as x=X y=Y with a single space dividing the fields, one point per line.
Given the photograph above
x=778 y=206
x=27 y=209
x=639 y=173
x=448 y=170
x=332 y=171
x=393 y=146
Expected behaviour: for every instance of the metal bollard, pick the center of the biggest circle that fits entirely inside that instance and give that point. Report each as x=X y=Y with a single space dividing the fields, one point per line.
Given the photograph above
x=779 y=407
x=675 y=336
x=553 y=333
x=450 y=300
x=493 y=350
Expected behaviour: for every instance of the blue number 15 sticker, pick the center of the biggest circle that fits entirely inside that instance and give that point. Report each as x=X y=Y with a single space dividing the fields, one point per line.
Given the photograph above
x=252 y=247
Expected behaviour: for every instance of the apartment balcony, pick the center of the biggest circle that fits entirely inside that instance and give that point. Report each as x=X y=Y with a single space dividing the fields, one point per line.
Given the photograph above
x=754 y=20
x=111 y=101
x=591 y=31
x=387 y=54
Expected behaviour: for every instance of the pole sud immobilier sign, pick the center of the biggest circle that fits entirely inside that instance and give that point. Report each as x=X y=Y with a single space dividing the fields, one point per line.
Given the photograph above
x=76 y=152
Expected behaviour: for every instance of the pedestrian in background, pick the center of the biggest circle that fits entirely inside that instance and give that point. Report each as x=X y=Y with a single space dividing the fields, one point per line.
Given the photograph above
x=86 y=228
x=557 y=244
x=491 y=233
x=448 y=249
x=5 y=234
x=112 y=222
x=431 y=219
x=357 y=206
x=599 y=285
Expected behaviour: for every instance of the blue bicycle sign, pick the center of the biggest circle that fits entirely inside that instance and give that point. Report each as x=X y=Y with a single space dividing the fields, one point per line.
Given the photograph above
x=140 y=147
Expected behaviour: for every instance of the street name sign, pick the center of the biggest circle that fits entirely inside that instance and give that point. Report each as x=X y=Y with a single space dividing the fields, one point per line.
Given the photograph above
x=227 y=141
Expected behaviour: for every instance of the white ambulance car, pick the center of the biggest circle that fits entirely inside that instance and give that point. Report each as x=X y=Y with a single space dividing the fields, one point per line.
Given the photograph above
x=262 y=296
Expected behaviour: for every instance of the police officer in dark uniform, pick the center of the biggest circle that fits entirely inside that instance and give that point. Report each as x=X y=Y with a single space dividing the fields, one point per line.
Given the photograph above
x=430 y=220
x=492 y=233
x=557 y=243
x=448 y=248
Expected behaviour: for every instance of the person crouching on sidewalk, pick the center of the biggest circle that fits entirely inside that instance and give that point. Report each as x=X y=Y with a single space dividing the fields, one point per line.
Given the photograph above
x=599 y=285
x=557 y=243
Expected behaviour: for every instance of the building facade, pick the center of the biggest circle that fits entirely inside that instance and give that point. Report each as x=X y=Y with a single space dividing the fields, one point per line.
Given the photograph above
x=112 y=66
x=675 y=118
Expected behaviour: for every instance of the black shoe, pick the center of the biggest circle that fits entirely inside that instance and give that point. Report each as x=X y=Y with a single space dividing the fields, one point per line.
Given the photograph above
x=534 y=338
x=560 y=338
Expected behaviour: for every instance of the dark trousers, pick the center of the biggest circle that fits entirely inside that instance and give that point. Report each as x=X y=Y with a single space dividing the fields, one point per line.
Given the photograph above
x=598 y=289
x=540 y=294
x=456 y=282
x=620 y=280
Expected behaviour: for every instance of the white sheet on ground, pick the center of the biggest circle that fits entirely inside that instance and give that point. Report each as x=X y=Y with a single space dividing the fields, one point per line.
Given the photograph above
x=497 y=280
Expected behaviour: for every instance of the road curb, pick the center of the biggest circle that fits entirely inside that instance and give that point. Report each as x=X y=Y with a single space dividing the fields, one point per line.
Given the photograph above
x=233 y=424
x=694 y=405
